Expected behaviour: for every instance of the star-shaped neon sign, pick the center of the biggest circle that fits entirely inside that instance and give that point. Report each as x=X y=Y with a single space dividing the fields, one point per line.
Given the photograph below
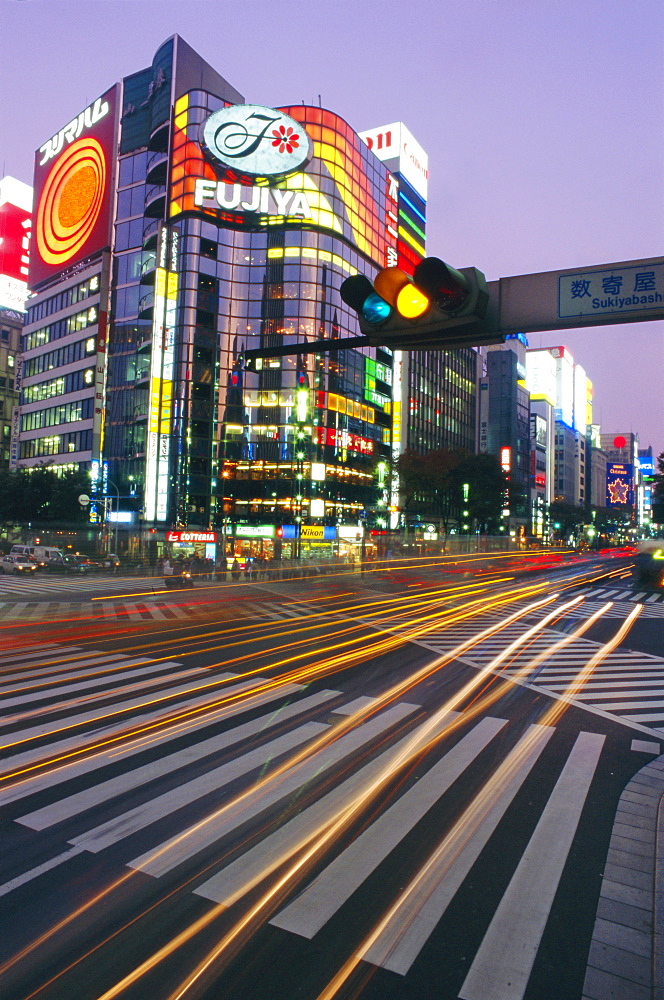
x=618 y=491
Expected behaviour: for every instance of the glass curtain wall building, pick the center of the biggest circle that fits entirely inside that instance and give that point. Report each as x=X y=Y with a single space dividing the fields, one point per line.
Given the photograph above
x=185 y=262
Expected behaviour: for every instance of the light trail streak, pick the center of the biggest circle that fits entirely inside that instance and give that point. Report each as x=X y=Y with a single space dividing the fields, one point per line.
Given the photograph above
x=474 y=815
x=189 y=932
x=305 y=674
x=343 y=727
x=415 y=746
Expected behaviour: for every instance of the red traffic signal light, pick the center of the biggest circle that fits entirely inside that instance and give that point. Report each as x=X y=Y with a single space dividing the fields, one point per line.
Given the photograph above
x=438 y=307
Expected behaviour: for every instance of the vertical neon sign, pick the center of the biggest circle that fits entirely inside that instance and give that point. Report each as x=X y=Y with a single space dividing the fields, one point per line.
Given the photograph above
x=157 y=473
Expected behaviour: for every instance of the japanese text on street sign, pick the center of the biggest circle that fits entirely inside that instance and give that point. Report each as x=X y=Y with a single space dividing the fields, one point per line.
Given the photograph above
x=621 y=289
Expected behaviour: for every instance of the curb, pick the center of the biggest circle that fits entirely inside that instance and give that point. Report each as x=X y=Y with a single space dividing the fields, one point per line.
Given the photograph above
x=626 y=958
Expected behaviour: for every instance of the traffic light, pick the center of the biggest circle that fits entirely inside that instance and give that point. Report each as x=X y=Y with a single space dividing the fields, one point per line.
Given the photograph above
x=438 y=307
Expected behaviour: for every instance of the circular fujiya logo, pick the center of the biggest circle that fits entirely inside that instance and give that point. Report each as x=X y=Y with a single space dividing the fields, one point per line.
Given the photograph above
x=254 y=141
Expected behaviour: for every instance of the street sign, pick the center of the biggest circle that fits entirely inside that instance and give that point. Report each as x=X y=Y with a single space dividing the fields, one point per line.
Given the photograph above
x=619 y=289
x=84 y=499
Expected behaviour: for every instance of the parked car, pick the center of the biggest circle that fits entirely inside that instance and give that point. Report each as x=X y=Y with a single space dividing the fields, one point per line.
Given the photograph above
x=18 y=565
x=87 y=564
x=45 y=556
x=70 y=564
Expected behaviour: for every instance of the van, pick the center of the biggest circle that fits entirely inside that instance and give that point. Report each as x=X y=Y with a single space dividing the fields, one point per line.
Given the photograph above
x=43 y=555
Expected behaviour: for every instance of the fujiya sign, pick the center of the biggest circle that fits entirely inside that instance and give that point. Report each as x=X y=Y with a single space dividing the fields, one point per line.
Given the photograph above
x=253 y=141
x=265 y=201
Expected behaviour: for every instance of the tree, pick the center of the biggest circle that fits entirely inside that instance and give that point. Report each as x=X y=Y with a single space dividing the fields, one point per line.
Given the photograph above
x=488 y=489
x=658 y=492
x=41 y=495
x=433 y=485
x=567 y=516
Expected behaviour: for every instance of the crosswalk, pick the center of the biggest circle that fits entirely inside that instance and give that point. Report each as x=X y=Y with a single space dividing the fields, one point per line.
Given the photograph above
x=179 y=759
x=149 y=608
x=626 y=594
x=39 y=584
x=623 y=684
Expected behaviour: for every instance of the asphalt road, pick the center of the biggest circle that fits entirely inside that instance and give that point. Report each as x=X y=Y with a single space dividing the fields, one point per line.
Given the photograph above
x=402 y=785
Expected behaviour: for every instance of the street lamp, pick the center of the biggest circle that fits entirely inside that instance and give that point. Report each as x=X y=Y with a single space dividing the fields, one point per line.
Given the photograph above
x=109 y=482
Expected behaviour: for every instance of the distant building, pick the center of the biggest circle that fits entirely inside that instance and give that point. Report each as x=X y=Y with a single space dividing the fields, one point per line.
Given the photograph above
x=622 y=452
x=556 y=383
x=505 y=420
x=435 y=398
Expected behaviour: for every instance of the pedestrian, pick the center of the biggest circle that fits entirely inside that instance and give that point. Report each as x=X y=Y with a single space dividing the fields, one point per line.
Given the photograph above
x=235 y=570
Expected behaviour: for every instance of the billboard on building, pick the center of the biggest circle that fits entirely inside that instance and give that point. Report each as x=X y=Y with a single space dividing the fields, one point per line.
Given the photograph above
x=541 y=375
x=564 y=385
x=334 y=187
x=580 y=400
x=73 y=190
x=619 y=485
x=15 y=228
x=401 y=153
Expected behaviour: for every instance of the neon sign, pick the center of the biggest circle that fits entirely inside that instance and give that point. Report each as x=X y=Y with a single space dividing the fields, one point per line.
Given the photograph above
x=252 y=141
x=267 y=201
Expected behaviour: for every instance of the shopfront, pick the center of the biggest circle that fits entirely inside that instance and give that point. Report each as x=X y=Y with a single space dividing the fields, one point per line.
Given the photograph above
x=192 y=545
x=315 y=542
x=255 y=541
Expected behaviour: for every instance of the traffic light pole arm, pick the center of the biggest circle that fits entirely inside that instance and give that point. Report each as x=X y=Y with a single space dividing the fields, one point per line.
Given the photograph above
x=605 y=294
x=310 y=347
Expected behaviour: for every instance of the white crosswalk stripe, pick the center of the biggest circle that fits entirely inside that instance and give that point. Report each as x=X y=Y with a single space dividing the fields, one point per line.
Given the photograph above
x=222 y=758
x=626 y=684
x=40 y=584
x=620 y=594
x=148 y=608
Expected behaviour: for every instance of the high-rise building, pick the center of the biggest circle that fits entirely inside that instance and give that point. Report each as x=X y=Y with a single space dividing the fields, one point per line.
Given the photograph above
x=505 y=421
x=176 y=228
x=555 y=380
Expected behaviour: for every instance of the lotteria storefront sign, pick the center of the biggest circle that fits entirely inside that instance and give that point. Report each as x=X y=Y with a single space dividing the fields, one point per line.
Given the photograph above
x=191 y=537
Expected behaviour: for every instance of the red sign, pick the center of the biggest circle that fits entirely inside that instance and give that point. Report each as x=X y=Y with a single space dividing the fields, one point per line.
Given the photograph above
x=73 y=190
x=344 y=439
x=191 y=537
x=14 y=237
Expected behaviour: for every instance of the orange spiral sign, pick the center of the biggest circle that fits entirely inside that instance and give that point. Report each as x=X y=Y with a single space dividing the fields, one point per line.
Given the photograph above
x=71 y=200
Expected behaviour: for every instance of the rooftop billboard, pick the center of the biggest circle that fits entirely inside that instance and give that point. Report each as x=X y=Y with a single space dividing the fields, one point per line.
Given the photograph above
x=73 y=190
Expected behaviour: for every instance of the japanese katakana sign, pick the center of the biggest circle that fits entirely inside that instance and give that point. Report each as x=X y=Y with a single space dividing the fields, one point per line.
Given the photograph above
x=622 y=289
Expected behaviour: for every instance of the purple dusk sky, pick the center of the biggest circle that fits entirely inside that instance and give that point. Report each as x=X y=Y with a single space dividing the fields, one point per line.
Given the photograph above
x=543 y=121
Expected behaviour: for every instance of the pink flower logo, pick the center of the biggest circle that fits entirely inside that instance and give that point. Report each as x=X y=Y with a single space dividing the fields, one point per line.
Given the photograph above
x=286 y=139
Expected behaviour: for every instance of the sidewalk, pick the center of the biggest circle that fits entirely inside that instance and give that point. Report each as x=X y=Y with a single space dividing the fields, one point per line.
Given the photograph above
x=626 y=959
